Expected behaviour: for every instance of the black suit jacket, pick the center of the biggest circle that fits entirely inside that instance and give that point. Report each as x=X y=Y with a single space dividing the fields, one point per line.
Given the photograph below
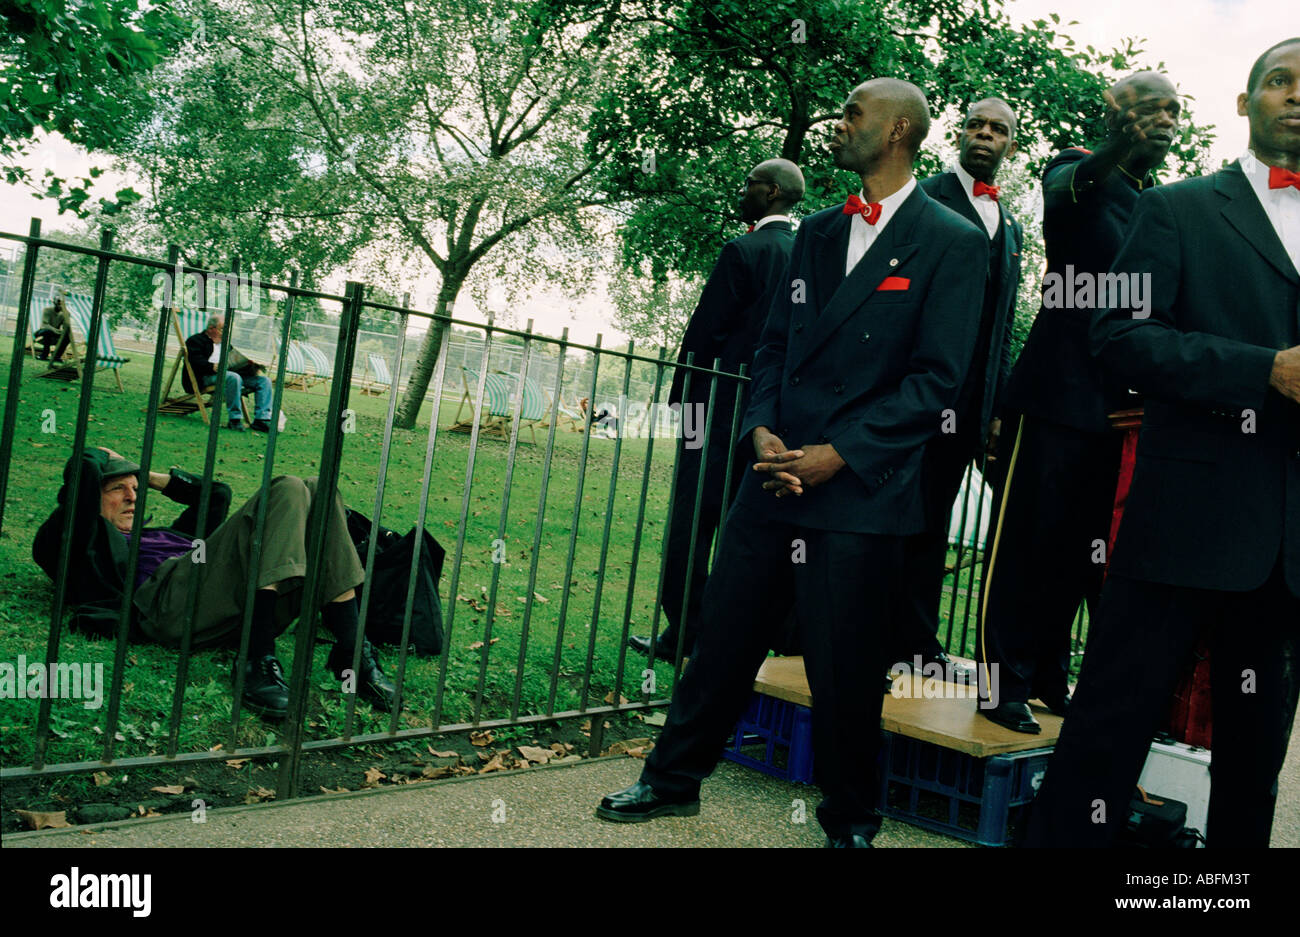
x=870 y=371
x=1085 y=220
x=198 y=348
x=946 y=188
x=1211 y=504
x=730 y=313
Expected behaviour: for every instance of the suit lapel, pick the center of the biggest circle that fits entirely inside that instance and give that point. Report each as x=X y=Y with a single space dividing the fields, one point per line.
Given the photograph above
x=1244 y=212
x=831 y=252
x=890 y=251
x=954 y=196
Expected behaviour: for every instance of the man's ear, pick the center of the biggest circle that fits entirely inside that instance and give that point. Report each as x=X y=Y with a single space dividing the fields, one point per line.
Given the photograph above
x=901 y=126
x=1241 y=104
x=1012 y=150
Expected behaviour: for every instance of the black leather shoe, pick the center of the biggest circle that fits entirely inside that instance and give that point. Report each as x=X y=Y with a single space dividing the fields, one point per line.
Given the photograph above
x=639 y=803
x=236 y=425
x=1013 y=716
x=265 y=691
x=372 y=684
x=855 y=841
x=665 y=647
x=1058 y=703
x=261 y=426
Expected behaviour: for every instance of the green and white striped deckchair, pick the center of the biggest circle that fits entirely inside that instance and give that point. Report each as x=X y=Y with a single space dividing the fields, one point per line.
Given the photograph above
x=296 y=372
x=498 y=405
x=377 y=378
x=321 y=367
x=106 y=356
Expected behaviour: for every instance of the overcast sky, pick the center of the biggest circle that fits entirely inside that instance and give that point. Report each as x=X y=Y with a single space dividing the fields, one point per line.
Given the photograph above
x=1207 y=47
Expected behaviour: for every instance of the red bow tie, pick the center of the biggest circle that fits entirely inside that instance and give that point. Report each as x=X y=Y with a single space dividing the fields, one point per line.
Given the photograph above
x=1279 y=178
x=983 y=188
x=749 y=230
x=870 y=211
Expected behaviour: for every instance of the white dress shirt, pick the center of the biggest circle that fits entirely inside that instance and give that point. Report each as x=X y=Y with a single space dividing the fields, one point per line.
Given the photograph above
x=215 y=357
x=1281 y=205
x=984 y=206
x=863 y=235
x=768 y=219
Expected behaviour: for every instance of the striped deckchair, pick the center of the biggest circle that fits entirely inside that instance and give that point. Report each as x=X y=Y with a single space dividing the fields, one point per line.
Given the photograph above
x=321 y=367
x=498 y=405
x=187 y=322
x=377 y=378
x=106 y=356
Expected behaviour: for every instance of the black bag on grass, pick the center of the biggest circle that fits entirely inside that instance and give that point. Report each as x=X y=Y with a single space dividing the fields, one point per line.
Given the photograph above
x=389 y=581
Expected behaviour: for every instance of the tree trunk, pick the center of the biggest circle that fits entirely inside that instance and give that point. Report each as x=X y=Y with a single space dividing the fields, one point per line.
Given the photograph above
x=409 y=408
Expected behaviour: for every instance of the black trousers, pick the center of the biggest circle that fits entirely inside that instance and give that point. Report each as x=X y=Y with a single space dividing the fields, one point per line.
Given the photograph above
x=1136 y=653
x=925 y=554
x=1053 y=518
x=680 y=607
x=845 y=589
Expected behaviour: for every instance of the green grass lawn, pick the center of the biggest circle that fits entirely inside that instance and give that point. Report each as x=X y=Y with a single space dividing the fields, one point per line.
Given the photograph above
x=117 y=420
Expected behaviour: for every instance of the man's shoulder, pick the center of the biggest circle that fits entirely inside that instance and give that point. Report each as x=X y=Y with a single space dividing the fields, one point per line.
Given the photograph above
x=945 y=219
x=933 y=184
x=1195 y=187
x=1067 y=156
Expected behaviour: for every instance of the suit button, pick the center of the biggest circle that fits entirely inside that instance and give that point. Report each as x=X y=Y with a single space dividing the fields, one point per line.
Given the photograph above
x=839 y=388
x=865 y=336
x=794 y=382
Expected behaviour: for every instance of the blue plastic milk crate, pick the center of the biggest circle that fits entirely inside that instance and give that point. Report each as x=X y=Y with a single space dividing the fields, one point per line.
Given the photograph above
x=948 y=791
x=774 y=737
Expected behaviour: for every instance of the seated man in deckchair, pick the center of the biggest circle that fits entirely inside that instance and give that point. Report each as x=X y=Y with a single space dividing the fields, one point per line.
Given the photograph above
x=242 y=375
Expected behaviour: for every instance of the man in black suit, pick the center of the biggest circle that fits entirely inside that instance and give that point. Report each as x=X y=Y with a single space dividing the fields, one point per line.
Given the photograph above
x=726 y=325
x=862 y=352
x=1211 y=532
x=1053 y=522
x=987 y=135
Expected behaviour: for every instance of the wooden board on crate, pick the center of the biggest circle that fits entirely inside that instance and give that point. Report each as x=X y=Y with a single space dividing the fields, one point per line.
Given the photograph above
x=949 y=723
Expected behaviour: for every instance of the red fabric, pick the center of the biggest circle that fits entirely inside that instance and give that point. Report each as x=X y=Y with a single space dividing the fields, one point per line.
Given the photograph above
x=749 y=230
x=1190 y=718
x=983 y=188
x=894 y=283
x=870 y=211
x=1279 y=178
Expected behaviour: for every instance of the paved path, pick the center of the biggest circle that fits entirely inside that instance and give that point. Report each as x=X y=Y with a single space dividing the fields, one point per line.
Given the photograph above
x=541 y=807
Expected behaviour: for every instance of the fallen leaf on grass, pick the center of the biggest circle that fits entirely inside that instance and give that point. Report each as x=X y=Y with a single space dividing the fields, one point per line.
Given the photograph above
x=656 y=718
x=481 y=739
x=496 y=764
x=438 y=754
x=169 y=789
x=338 y=790
x=609 y=698
x=534 y=754
x=478 y=644
x=44 y=819
x=432 y=771
x=373 y=777
x=236 y=762
x=102 y=779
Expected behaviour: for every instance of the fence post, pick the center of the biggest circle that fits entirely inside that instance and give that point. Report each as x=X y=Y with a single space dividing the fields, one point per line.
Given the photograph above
x=21 y=331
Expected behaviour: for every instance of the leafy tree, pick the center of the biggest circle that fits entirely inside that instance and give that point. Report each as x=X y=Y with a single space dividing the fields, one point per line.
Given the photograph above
x=654 y=310
x=716 y=87
x=436 y=127
x=67 y=65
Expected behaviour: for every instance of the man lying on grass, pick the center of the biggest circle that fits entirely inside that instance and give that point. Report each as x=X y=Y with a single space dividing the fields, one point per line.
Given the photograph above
x=101 y=533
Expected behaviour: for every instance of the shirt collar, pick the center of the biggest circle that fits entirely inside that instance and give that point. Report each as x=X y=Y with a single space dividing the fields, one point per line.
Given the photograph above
x=890 y=203
x=1256 y=172
x=768 y=219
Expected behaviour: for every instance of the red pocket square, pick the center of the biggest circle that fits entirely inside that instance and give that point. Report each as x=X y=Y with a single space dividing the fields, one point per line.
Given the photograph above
x=894 y=283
